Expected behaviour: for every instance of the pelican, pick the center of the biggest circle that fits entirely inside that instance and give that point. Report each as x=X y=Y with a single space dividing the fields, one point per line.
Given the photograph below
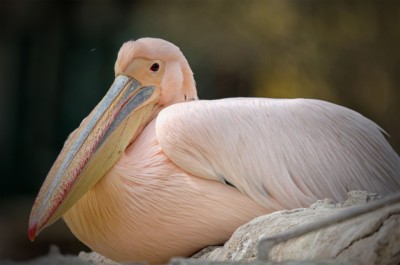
x=153 y=172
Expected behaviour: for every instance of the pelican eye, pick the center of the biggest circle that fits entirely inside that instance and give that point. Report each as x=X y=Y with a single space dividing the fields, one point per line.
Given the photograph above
x=154 y=67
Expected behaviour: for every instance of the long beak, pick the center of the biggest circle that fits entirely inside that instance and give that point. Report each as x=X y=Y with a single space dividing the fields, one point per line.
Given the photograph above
x=92 y=149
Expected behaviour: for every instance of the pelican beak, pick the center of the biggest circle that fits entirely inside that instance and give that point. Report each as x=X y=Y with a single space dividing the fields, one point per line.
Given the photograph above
x=93 y=148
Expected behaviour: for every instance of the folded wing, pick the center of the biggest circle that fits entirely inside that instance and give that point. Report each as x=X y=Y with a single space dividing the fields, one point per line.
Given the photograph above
x=283 y=153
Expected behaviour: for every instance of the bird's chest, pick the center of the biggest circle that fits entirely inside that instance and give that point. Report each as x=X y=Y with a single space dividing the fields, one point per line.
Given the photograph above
x=146 y=204
x=173 y=216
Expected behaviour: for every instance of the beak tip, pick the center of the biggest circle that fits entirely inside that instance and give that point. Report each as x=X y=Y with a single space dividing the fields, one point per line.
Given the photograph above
x=32 y=231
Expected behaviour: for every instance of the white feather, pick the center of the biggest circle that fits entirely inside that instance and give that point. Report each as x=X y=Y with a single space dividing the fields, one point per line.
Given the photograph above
x=283 y=153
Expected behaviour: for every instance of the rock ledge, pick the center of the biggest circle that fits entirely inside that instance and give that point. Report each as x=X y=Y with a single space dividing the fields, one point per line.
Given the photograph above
x=373 y=238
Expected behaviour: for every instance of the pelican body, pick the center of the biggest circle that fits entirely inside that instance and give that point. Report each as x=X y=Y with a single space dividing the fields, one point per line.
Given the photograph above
x=154 y=173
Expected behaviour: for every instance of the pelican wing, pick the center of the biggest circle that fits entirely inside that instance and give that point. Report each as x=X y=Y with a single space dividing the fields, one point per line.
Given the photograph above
x=283 y=153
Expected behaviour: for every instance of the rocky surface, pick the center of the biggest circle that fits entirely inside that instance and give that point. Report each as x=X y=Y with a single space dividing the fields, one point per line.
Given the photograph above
x=373 y=238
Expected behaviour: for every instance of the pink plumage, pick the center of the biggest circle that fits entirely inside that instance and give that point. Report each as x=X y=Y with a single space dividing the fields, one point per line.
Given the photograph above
x=167 y=192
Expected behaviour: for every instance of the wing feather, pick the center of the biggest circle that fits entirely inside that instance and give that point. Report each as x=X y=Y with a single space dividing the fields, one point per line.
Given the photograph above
x=283 y=153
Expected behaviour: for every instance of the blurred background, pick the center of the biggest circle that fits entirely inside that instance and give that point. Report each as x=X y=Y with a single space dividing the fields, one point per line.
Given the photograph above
x=57 y=60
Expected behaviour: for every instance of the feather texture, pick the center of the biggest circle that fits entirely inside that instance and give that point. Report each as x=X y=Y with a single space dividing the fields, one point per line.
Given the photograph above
x=146 y=204
x=283 y=153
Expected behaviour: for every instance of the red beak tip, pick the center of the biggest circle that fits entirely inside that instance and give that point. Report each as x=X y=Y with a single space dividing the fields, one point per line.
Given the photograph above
x=32 y=232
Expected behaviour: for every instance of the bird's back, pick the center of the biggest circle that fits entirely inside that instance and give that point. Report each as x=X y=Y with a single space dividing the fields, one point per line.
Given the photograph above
x=283 y=153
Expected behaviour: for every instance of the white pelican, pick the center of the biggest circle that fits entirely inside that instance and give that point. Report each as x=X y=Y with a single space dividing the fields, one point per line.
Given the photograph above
x=153 y=172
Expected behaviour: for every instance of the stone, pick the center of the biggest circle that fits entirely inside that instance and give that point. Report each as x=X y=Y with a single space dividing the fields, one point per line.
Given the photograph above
x=54 y=257
x=373 y=238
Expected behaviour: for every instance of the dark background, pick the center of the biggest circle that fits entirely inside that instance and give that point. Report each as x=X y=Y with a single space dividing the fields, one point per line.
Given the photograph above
x=57 y=60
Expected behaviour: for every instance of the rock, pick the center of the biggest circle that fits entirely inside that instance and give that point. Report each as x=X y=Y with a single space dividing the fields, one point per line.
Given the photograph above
x=373 y=238
x=192 y=261
x=54 y=257
x=96 y=258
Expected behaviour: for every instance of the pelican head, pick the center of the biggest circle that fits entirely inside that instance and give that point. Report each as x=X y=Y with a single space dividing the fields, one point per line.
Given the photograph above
x=150 y=75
